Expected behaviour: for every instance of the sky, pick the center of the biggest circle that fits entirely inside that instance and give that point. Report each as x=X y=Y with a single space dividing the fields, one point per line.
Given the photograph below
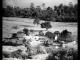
x=26 y=3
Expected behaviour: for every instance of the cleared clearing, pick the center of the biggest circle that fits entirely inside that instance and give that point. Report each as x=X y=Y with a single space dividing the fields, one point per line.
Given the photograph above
x=10 y=22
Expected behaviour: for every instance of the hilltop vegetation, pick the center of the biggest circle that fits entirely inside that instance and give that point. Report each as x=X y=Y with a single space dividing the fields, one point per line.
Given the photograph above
x=61 y=13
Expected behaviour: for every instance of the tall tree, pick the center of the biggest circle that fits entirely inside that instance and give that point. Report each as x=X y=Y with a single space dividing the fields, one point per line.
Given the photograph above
x=32 y=9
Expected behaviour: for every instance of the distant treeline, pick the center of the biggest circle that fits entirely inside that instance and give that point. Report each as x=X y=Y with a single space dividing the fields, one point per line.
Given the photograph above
x=61 y=13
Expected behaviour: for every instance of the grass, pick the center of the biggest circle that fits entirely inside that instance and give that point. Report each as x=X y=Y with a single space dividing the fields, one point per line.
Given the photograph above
x=21 y=23
x=10 y=25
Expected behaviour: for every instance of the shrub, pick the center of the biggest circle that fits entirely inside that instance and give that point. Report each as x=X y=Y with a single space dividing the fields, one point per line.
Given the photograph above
x=41 y=33
x=46 y=25
x=26 y=31
x=14 y=35
x=65 y=36
x=63 y=55
x=50 y=35
x=9 y=43
x=16 y=54
x=5 y=55
x=46 y=43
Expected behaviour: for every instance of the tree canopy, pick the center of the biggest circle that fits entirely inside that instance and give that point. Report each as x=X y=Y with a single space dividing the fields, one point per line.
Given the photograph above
x=60 y=13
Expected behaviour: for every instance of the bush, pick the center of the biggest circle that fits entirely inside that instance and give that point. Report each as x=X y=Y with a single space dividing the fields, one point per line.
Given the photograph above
x=65 y=36
x=26 y=31
x=10 y=43
x=63 y=55
x=46 y=25
x=50 y=35
x=46 y=43
x=14 y=35
x=16 y=54
x=41 y=33
x=5 y=55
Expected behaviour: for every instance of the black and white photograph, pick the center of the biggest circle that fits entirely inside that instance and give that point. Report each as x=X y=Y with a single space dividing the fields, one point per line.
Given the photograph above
x=40 y=30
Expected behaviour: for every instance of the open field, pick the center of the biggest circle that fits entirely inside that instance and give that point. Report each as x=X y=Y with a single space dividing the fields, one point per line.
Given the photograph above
x=10 y=22
x=12 y=25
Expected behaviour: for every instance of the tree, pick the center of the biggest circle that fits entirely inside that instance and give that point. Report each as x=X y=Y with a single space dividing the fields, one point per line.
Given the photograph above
x=46 y=25
x=50 y=14
x=36 y=21
x=38 y=11
x=32 y=10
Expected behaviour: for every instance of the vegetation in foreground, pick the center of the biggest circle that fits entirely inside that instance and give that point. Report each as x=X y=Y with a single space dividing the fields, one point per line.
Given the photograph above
x=61 y=54
x=64 y=55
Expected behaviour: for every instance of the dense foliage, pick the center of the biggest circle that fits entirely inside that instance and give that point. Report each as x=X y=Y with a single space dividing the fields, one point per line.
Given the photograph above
x=61 y=13
x=64 y=55
x=50 y=35
x=26 y=31
x=46 y=25
x=65 y=36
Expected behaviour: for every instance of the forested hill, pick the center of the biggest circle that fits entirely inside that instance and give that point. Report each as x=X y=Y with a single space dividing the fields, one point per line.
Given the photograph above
x=61 y=13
